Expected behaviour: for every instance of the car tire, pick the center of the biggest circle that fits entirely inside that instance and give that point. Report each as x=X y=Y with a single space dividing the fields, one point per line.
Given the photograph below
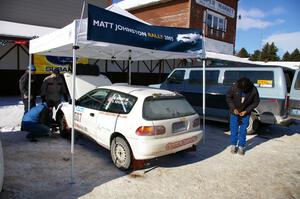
x=62 y=125
x=121 y=153
x=254 y=124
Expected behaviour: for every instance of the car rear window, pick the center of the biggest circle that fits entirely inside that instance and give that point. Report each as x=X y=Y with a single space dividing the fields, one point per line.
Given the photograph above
x=263 y=79
x=166 y=108
x=297 y=83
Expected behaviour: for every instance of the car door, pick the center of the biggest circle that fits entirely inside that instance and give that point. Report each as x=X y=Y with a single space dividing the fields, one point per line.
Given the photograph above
x=108 y=117
x=294 y=103
x=213 y=97
x=114 y=116
x=88 y=110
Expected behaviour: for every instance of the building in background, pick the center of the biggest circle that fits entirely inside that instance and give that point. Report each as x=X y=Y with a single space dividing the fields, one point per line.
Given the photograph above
x=217 y=17
x=23 y=20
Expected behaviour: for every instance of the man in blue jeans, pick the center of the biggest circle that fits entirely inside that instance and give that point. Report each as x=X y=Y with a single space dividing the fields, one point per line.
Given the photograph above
x=241 y=98
x=36 y=121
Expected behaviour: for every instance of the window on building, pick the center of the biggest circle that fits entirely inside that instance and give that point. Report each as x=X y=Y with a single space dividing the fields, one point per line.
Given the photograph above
x=216 y=24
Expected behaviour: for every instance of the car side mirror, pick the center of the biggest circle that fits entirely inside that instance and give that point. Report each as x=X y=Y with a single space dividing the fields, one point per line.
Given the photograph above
x=70 y=101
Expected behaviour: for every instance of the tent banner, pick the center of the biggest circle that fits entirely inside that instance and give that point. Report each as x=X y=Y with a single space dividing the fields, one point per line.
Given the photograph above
x=107 y=26
x=46 y=64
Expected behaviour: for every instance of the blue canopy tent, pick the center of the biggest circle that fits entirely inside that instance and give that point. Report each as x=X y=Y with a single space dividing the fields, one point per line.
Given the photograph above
x=111 y=36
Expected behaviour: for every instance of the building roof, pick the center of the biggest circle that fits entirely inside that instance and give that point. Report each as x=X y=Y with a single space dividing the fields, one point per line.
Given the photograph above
x=12 y=29
x=133 y=4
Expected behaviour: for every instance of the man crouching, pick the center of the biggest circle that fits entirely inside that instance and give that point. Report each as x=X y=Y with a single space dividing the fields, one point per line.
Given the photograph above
x=37 y=121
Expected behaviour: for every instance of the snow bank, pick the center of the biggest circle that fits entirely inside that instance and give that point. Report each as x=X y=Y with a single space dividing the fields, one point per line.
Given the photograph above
x=11 y=112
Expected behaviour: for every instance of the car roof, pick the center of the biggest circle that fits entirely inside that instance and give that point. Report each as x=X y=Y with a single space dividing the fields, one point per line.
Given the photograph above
x=232 y=67
x=229 y=67
x=138 y=91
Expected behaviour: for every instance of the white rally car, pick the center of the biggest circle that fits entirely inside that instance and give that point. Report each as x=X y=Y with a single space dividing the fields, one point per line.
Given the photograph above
x=135 y=123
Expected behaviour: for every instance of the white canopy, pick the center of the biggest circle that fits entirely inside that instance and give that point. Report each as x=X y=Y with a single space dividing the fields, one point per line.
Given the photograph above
x=60 y=43
x=65 y=42
x=23 y=30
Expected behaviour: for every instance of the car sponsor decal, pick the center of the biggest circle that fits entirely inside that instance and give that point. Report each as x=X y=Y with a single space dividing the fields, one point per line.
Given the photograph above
x=173 y=145
x=80 y=127
x=265 y=83
x=77 y=117
x=79 y=109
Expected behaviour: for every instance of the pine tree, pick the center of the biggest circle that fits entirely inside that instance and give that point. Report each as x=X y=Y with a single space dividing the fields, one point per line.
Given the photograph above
x=255 y=56
x=295 y=55
x=243 y=53
x=269 y=52
x=286 y=56
x=273 y=53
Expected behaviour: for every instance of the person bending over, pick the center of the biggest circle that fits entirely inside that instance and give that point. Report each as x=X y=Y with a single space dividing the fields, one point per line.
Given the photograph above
x=241 y=98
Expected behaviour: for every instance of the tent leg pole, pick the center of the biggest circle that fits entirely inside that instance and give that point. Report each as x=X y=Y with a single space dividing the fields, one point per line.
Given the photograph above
x=29 y=82
x=129 y=68
x=73 y=114
x=203 y=100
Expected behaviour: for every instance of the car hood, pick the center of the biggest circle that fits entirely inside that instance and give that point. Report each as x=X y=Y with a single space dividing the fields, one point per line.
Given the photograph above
x=85 y=83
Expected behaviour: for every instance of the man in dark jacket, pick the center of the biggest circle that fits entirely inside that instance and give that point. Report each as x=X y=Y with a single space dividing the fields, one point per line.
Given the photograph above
x=23 y=86
x=53 y=88
x=242 y=98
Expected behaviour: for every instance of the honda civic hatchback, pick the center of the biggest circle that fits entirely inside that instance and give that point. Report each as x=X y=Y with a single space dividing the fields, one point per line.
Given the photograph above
x=135 y=123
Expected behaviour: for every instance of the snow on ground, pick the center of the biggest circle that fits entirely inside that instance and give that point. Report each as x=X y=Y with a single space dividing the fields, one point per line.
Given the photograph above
x=11 y=112
x=270 y=168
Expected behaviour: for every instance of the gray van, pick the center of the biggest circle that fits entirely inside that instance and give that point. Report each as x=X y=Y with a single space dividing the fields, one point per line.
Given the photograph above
x=270 y=82
x=294 y=102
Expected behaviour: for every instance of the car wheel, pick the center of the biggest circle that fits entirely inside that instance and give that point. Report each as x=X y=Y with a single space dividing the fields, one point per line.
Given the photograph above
x=254 y=124
x=62 y=124
x=120 y=153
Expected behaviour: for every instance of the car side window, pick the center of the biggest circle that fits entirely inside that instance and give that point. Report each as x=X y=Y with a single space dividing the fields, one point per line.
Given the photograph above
x=94 y=99
x=297 y=83
x=211 y=77
x=264 y=79
x=176 y=77
x=119 y=103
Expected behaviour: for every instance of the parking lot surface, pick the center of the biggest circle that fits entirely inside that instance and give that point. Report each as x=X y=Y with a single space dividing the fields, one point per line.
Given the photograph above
x=270 y=169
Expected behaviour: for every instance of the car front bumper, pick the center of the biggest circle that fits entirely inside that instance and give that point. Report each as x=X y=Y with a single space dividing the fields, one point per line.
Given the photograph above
x=150 y=148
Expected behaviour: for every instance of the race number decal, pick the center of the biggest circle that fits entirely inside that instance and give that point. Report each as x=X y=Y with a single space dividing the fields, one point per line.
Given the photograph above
x=77 y=117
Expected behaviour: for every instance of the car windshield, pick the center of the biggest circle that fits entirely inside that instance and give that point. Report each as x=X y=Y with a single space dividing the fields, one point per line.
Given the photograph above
x=166 y=108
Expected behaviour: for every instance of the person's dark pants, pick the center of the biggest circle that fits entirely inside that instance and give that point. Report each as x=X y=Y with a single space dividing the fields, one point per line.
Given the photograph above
x=238 y=130
x=35 y=130
x=25 y=102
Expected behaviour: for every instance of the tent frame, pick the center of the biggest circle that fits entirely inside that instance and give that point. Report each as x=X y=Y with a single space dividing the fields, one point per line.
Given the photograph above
x=75 y=47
